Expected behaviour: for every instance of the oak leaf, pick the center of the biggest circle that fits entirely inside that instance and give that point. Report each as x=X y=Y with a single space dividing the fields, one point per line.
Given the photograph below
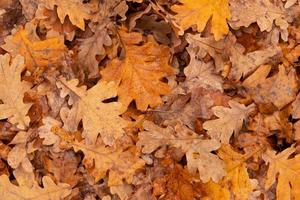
x=120 y=161
x=49 y=19
x=236 y=170
x=12 y=91
x=45 y=133
x=265 y=14
x=280 y=89
x=92 y=47
x=199 y=12
x=208 y=46
x=245 y=64
x=200 y=74
x=230 y=120
x=49 y=191
x=197 y=150
x=37 y=53
x=97 y=117
x=76 y=10
x=139 y=74
x=288 y=171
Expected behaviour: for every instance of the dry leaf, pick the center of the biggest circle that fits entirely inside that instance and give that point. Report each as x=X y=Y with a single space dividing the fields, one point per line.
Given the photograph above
x=140 y=80
x=200 y=74
x=50 y=190
x=265 y=14
x=230 y=120
x=121 y=162
x=37 y=53
x=92 y=47
x=198 y=13
x=237 y=173
x=280 y=89
x=97 y=117
x=198 y=151
x=12 y=91
x=74 y=9
x=287 y=171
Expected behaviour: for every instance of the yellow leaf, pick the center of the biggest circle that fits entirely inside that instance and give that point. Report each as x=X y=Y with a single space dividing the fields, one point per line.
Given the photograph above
x=237 y=179
x=50 y=190
x=37 y=53
x=139 y=74
x=288 y=171
x=217 y=191
x=199 y=12
x=97 y=117
x=237 y=174
x=12 y=91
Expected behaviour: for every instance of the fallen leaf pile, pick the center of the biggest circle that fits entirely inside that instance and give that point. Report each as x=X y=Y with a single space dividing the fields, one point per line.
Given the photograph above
x=150 y=99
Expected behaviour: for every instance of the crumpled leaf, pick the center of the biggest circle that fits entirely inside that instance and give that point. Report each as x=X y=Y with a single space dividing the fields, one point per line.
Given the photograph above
x=45 y=132
x=140 y=79
x=121 y=162
x=243 y=65
x=199 y=12
x=91 y=47
x=70 y=118
x=198 y=151
x=200 y=74
x=49 y=19
x=74 y=9
x=287 y=171
x=263 y=12
x=18 y=156
x=63 y=166
x=97 y=117
x=280 y=89
x=207 y=45
x=37 y=53
x=12 y=91
x=230 y=120
x=50 y=190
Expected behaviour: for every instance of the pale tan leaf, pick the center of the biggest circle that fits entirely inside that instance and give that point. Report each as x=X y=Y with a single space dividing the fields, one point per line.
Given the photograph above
x=50 y=190
x=12 y=91
x=198 y=151
x=97 y=117
x=230 y=120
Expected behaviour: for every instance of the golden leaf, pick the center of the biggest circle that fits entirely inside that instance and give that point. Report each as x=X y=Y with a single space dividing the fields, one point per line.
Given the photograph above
x=97 y=117
x=237 y=173
x=237 y=179
x=217 y=191
x=288 y=171
x=12 y=91
x=230 y=120
x=139 y=74
x=50 y=190
x=199 y=12
x=37 y=53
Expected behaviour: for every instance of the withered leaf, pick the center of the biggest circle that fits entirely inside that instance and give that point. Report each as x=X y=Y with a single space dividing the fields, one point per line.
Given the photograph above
x=140 y=79
x=12 y=91
x=50 y=190
x=230 y=120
